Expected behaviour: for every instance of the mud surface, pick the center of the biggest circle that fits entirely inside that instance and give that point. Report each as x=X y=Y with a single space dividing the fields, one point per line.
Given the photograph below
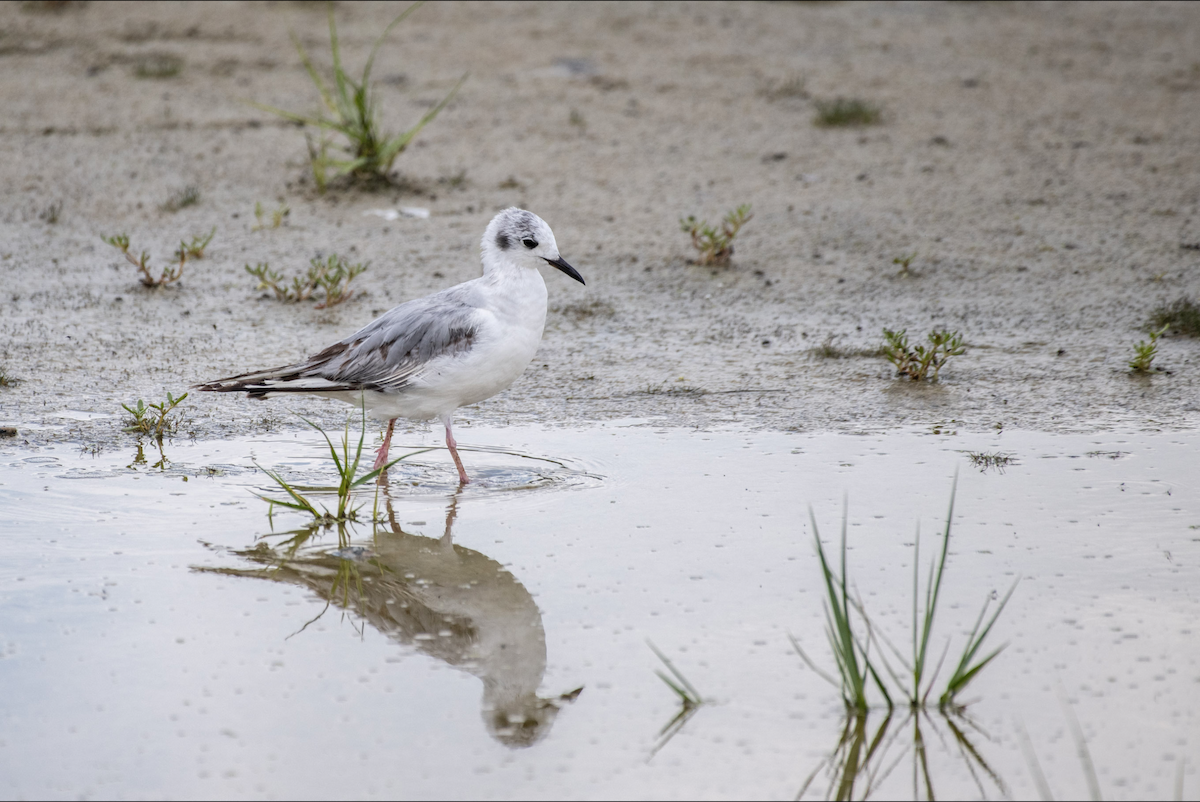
x=1041 y=161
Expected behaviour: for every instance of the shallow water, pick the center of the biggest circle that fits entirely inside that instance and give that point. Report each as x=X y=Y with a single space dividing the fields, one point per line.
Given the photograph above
x=153 y=628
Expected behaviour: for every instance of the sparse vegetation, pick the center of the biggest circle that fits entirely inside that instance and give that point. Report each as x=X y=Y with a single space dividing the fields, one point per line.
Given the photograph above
x=827 y=350
x=331 y=278
x=847 y=112
x=456 y=180
x=1183 y=316
x=851 y=636
x=51 y=213
x=793 y=86
x=157 y=65
x=690 y=699
x=917 y=362
x=585 y=310
x=277 y=216
x=989 y=460
x=368 y=152
x=346 y=465
x=1144 y=352
x=904 y=262
x=154 y=419
x=171 y=272
x=683 y=389
x=716 y=245
x=183 y=198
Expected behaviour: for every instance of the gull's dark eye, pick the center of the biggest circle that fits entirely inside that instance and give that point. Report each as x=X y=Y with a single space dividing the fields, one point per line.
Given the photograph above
x=529 y=243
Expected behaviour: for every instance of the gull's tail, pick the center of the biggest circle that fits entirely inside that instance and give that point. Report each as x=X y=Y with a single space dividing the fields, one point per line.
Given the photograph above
x=302 y=377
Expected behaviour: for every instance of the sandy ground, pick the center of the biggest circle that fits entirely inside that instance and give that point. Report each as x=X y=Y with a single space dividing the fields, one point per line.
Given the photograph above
x=1041 y=160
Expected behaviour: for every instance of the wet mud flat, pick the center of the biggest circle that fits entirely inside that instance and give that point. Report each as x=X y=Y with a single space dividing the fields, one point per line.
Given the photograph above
x=1036 y=164
x=157 y=624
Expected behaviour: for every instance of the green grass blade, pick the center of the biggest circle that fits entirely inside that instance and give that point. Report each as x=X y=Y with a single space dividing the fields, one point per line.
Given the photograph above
x=289 y=115
x=339 y=75
x=276 y=502
x=841 y=636
x=964 y=672
x=400 y=18
x=392 y=148
x=933 y=592
x=301 y=503
x=315 y=76
x=695 y=694
x=827 y=677
x=332 y=451
x=362 y=480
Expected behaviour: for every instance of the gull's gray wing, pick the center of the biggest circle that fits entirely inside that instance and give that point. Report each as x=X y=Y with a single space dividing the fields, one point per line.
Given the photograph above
x=385 y=355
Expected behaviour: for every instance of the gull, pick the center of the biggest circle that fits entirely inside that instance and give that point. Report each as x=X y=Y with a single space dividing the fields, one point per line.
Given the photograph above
x=426 y=358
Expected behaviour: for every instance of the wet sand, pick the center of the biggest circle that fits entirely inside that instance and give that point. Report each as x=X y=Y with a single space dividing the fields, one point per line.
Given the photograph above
x=1040 y=160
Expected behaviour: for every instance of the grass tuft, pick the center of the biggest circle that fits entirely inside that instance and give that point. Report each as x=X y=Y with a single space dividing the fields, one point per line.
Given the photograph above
x=52 y=212
x=850 y=634
x=793 y=86
x=716 y=245
x=331 y=278
x=917 y=362
x=351 y=112
x=847 y=113
x=346 y=464
x=188 y=196
x=1182 y=315
x=851 y=651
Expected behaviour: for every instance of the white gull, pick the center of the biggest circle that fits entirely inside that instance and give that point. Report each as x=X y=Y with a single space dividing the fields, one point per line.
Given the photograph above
x=426 y=358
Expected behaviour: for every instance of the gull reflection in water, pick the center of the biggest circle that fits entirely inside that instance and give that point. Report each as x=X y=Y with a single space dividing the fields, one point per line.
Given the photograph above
x=443 y=600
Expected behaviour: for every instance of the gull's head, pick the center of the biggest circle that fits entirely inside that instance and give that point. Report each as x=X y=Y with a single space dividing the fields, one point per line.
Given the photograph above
x=523 y=239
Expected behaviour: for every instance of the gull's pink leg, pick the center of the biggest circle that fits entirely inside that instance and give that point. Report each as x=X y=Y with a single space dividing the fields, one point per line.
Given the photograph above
x=453 y=446
x=381 y=456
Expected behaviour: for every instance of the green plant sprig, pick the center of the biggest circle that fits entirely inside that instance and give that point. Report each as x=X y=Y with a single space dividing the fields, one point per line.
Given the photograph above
x=171 y=272
x=917 y=361
x=195 y=248
x=153 y=418
x=904 y=262
x=1144 y=351
x=330 y=277
x=353 y=113
x=716 y=245
x=277 y=216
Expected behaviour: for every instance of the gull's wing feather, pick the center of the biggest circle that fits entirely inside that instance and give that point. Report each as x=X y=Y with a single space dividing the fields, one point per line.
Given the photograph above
x=385 y=355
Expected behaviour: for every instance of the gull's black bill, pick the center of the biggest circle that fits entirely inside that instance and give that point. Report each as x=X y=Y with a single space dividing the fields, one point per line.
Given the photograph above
x=562 y=265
